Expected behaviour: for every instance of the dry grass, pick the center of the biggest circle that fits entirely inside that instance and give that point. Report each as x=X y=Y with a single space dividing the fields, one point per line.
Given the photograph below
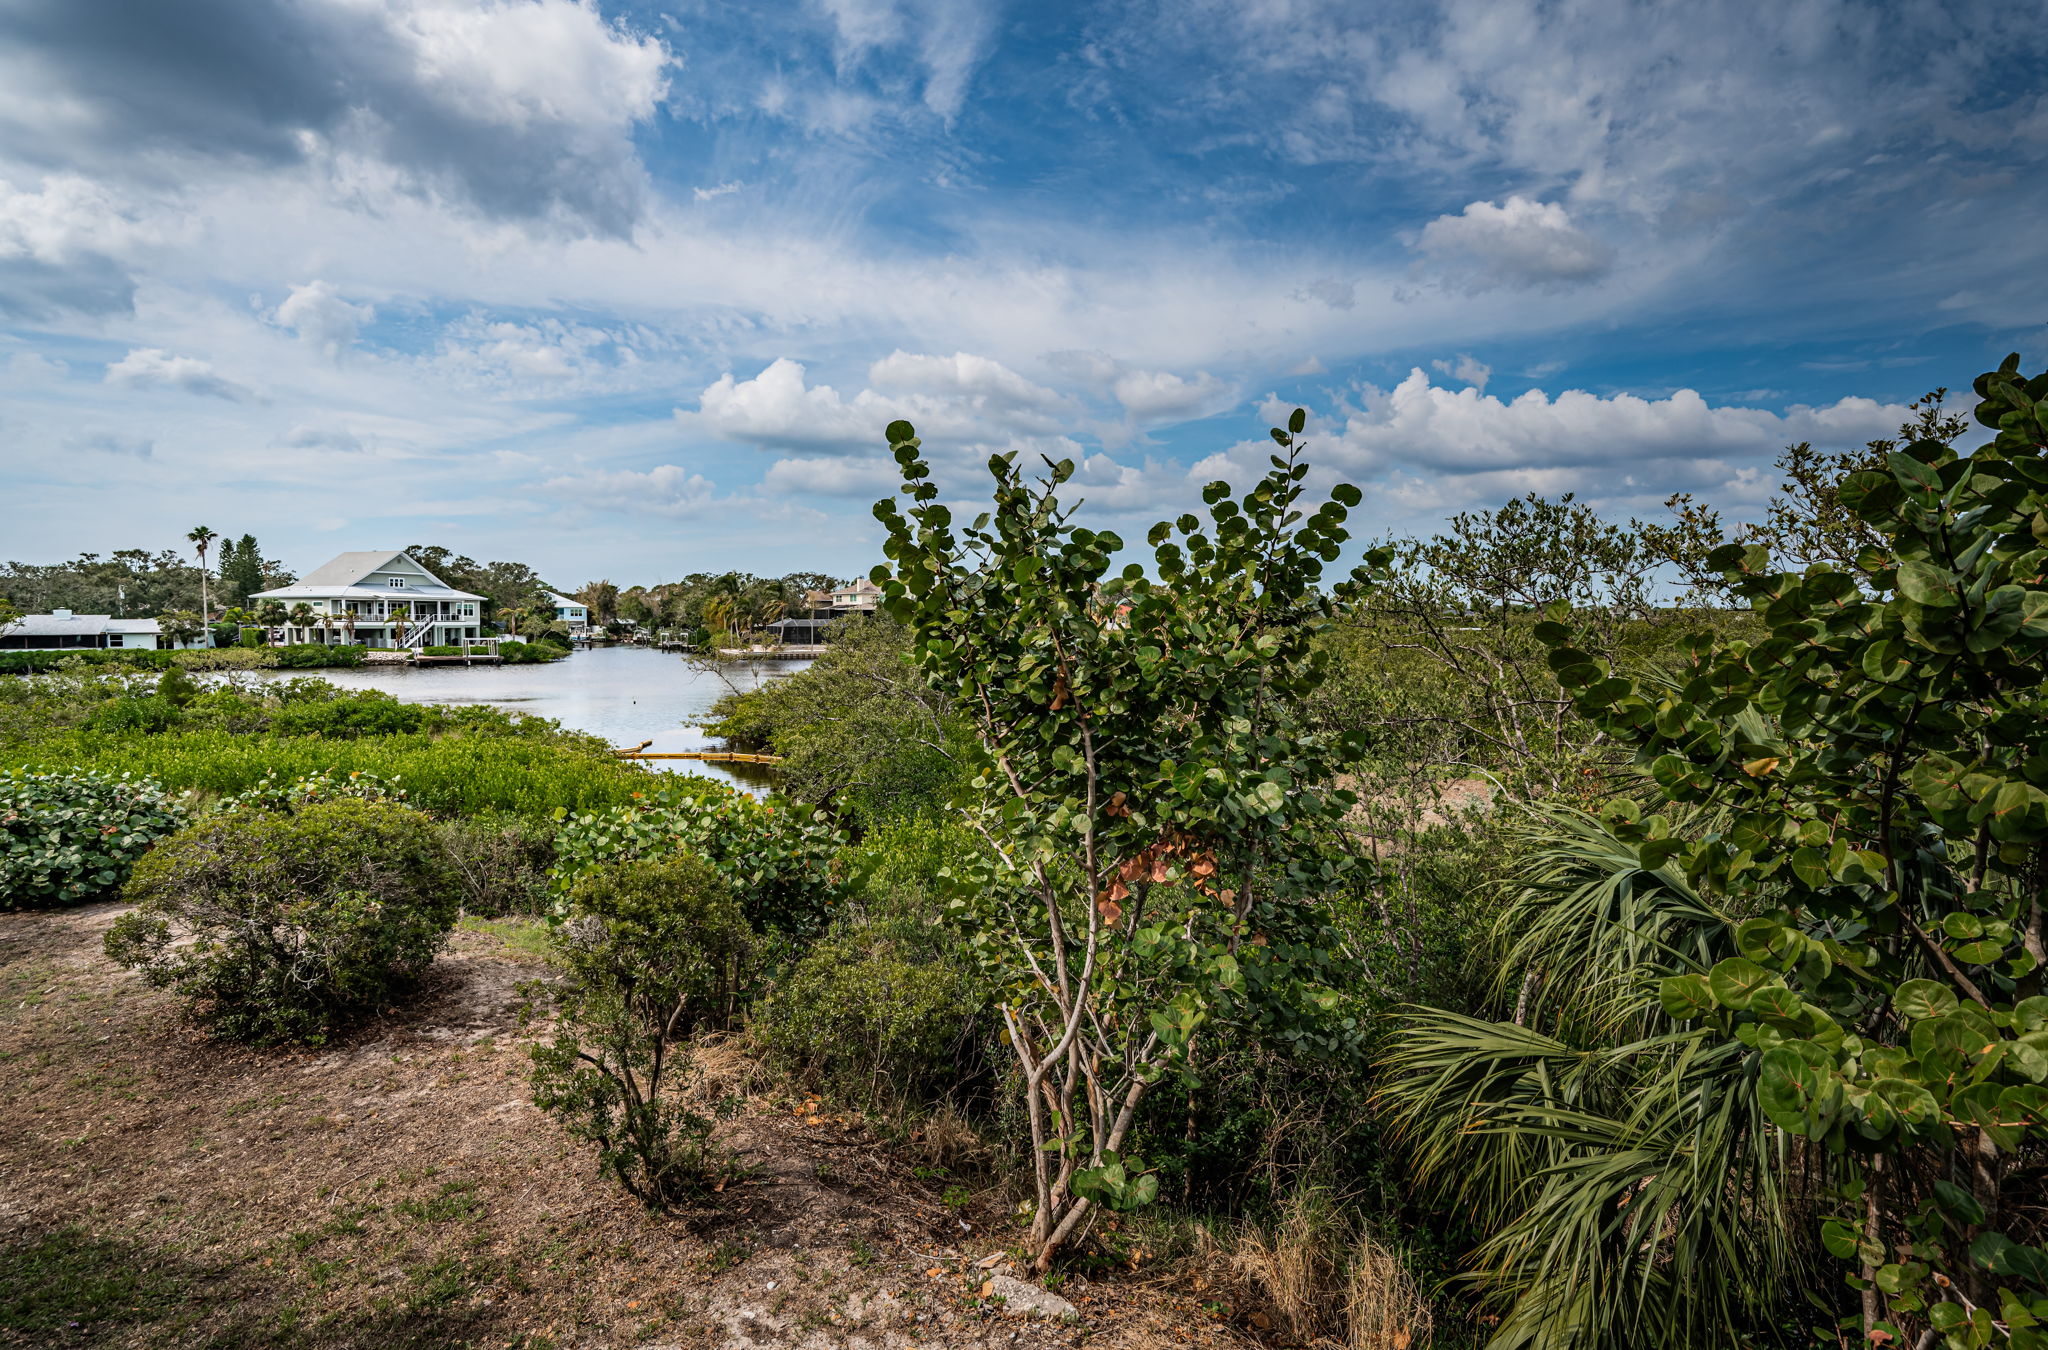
x=1318 y=1278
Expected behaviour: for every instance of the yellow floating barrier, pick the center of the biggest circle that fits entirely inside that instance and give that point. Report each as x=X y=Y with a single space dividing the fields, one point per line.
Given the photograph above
x=713 y=756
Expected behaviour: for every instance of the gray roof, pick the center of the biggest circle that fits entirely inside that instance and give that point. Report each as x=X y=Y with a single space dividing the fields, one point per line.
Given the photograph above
x=346 y=569
x=341 y=576
x=75 y=625
x=570 y=600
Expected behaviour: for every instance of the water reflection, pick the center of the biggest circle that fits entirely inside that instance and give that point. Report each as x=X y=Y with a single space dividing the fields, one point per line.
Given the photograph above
x=625 y=694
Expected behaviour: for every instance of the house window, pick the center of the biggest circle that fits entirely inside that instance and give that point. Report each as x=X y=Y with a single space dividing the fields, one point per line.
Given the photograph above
x=397 y=583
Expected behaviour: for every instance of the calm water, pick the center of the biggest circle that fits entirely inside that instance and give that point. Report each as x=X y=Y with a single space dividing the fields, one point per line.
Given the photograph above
x=624 y=694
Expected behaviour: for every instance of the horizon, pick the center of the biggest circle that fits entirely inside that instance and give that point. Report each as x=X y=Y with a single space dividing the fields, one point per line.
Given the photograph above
x=630 y=290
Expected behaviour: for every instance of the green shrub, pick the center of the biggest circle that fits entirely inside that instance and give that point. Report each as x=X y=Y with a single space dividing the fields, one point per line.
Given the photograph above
x=281 y=927
x=314 y=656
x=655 y=953
x=276 y=794
x=529 y=653
x=503 y=862
x=369 y=712
x=443 y=650
x=142 y=715
x=876 y=1014
x=72 y=836
x=497 y=771
x=778 y=859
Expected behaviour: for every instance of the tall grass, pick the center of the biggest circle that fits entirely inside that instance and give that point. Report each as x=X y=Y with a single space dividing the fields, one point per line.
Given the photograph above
x=452 y=773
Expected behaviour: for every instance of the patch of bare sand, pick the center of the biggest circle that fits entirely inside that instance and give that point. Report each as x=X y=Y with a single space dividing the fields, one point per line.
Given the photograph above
x=399 y=1190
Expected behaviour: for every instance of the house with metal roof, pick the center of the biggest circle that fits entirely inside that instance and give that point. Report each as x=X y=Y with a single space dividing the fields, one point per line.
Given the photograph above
x=378 y=598
x=62 y=630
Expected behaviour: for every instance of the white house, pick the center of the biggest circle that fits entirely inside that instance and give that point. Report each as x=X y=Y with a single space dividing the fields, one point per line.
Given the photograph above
x=61 y=630
x=379 y=598
x=572 y=612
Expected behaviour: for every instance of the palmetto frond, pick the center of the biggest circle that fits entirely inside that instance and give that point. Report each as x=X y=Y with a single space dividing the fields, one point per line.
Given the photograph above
x=1635 y=1192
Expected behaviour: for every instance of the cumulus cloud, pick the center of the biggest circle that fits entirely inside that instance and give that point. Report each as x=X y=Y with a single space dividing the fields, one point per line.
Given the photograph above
x=1158 y=394
x=664 y=490
x=522 y=110
x=961 y=398
x=1520 y=243
x=1465 y=368
x=990 y=384
x=1464 y=431
x=155 y=368
x=832 y=476
x=318 y=314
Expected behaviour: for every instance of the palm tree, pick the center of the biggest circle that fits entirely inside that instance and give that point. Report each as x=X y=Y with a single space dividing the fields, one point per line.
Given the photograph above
x=301 y=616
x=348 y=622
x=202 y=539
x=1634 y=1190
x=326 y=622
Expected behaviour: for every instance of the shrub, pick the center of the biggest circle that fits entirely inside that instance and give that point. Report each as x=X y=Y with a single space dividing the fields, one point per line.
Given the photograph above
x=281 y=927
x=314 y=656
x=778 y=859
x=502 y=862
x=529 y=653
x=274 y=794
x=367 y=713
x=655 y=952
x=143 y=715
x=443 y=650
x=876 y=1014
x=71 y=836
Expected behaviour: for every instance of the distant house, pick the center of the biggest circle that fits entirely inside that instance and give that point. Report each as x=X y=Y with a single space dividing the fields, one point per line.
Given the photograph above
x=572 y=612
x=379 y=598
x=826 y=608
x=61 y=630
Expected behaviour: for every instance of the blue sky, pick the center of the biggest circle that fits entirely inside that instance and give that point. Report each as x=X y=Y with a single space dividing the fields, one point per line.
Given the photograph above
x=630 y=289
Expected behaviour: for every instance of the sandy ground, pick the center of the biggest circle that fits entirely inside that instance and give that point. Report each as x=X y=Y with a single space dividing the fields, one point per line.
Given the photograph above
x=400 y=1190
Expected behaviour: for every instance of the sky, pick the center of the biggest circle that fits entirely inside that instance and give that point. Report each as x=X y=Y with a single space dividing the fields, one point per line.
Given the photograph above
x=630 y=289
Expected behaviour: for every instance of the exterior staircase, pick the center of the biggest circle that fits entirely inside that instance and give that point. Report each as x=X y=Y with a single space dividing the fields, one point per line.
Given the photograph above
x=420 y=635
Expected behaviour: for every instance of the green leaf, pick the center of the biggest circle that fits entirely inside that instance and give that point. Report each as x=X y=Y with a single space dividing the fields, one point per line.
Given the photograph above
x=1917 y=1000
x=1737 y=979
x=1926 y=584
x=1686 y=997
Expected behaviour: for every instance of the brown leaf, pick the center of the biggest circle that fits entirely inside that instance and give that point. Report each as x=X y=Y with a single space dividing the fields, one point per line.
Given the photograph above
x=1111 y=911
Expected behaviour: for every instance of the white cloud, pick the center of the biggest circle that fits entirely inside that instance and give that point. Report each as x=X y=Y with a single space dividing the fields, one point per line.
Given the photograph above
x=778 y=408
x=704 y=194
x=664 y=490
x=955 y=399
x=1159 y=394
x=1466 y=369
x=1520 y=243
x=992 y=385
x=832 y=476
x=1464 y=431
x=318 y=314
x=155 y=368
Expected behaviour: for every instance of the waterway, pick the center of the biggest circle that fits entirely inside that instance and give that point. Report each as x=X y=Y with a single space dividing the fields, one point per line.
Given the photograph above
x=625 y=694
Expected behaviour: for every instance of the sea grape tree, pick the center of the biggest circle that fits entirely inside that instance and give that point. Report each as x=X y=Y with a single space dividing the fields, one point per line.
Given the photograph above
x=1158 y=814
x=1878 y=761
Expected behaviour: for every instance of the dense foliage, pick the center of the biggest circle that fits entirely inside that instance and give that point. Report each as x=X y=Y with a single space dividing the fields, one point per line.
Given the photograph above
x=779 y=861
x=654 y=951
x=1882 y=825
x=859 y=730
x=1157 y=807
x=71 y=835
x=282 y=926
